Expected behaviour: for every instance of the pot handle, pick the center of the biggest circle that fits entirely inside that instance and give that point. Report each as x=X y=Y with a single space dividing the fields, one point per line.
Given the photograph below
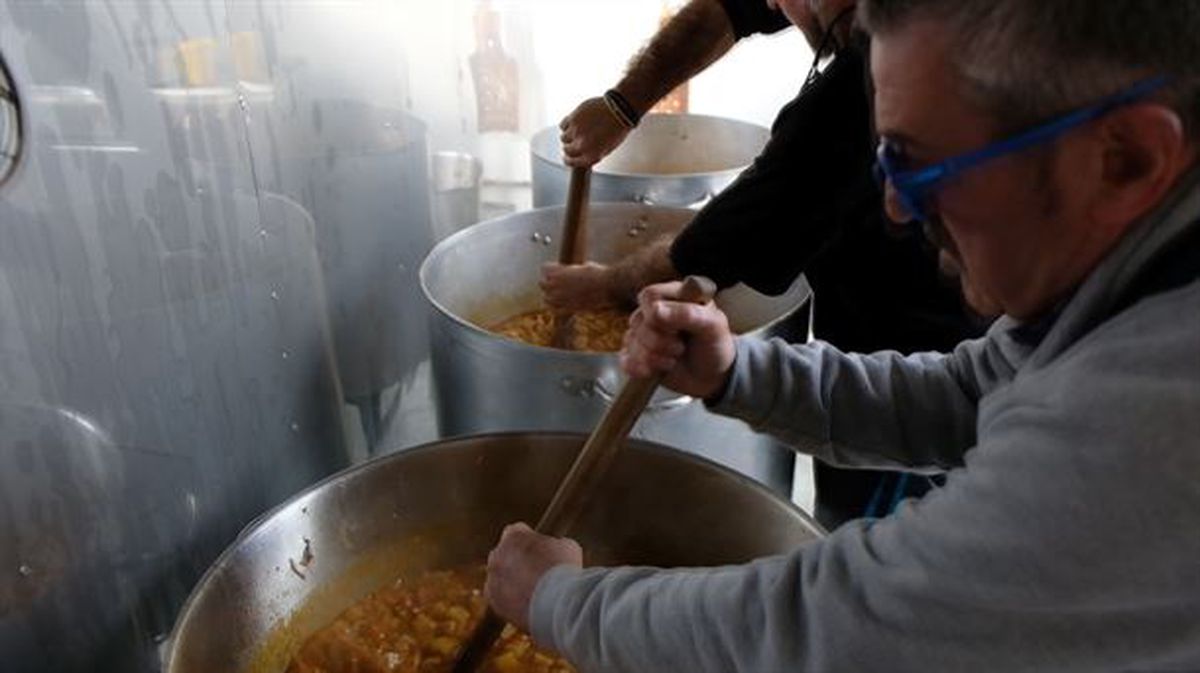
x=601 y=389
x=646 y=199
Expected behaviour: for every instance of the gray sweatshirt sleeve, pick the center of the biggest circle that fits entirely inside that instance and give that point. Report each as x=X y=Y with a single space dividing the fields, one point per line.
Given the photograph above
x=878 y=410
x=1067 y=543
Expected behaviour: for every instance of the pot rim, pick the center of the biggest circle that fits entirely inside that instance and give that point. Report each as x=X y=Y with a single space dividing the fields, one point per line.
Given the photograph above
x=594 y=357
x=452 y=240
x=556 y=160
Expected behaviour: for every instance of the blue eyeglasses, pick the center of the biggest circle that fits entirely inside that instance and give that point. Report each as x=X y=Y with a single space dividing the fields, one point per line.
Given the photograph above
x=914 y=187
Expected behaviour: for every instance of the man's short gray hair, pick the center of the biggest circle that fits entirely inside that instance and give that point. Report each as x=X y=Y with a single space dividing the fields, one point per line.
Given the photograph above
x=1027 y=60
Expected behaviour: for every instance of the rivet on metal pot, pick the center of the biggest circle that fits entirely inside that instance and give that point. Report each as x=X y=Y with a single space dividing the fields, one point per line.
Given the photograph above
x=580 y=387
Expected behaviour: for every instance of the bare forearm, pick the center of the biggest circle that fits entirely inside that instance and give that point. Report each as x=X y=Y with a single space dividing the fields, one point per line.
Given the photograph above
x=649 y=265
x=693 y=39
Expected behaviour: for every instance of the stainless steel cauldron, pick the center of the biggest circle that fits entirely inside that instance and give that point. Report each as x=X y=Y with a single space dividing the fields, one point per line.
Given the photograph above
x=443 y=505
x=456 y=181
x=670 y=160
x=487 y=383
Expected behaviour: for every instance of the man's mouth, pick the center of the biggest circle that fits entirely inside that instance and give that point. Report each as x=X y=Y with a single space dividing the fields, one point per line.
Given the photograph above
x=948 y=265
x=948 y=259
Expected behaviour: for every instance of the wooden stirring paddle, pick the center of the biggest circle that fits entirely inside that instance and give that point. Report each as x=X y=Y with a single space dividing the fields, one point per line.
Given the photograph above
x=584 y=476
x=573 y=249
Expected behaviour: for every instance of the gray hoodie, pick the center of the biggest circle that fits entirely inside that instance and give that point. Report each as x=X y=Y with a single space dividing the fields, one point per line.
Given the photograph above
x=1067 y=537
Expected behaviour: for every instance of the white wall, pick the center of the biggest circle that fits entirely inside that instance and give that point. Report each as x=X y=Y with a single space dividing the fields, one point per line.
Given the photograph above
x=568 y=50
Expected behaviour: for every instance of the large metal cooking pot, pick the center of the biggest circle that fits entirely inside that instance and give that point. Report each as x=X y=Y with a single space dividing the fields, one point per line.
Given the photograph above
x=443 y=505
x=670 y=160
x=456 y=181
x=487 y=383
x=369 y=177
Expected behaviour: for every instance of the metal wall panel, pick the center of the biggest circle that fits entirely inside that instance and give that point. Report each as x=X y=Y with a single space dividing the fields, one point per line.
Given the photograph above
x=205 y=230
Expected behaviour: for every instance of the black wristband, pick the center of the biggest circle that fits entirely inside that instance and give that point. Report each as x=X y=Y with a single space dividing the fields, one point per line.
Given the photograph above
x=623 y=107
x=617 y=113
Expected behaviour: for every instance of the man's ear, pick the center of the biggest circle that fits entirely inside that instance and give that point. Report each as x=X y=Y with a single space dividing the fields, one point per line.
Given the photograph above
x=1144 y=149
x=827 y=11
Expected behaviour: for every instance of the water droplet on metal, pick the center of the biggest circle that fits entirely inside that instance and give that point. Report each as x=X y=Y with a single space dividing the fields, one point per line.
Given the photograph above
x=536 y=238
x=262 y=233
x=284 y=354
x=295 y=426
x=274 y=295
x=25 y=570
x=546 y=239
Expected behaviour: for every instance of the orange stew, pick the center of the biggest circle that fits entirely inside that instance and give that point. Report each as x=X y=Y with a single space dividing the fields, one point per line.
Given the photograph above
x=417 y=627
x=597 y=331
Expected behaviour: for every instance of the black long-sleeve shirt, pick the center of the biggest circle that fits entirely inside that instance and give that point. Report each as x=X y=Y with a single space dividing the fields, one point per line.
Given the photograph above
x=810 y=204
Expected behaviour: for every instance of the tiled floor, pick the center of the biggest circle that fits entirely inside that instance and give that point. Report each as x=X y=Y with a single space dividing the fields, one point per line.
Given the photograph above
x=414 y=419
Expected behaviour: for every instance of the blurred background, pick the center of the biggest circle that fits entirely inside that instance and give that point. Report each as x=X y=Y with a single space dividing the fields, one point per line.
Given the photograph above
x=211 y=219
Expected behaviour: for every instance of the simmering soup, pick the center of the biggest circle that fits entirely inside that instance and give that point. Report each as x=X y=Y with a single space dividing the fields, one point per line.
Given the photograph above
x=417 y=627
x=596 y=331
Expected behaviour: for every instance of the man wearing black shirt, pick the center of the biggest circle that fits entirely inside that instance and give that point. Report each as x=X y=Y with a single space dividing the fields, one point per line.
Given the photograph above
x=809 y=203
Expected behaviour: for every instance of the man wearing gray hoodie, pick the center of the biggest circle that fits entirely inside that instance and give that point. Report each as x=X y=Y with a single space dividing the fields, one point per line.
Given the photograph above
x=1049 y=148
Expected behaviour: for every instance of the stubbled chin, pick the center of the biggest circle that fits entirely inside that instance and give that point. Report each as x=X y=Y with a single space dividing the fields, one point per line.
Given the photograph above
x=948 y=264
x=979 y=301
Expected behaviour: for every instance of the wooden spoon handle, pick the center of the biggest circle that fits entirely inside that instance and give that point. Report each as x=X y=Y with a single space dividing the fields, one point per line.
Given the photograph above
x=573 y=249
x=607 y=439
x=471 y=656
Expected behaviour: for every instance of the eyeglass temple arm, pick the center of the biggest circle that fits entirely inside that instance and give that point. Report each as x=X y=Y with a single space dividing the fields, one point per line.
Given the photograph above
x=914 y=179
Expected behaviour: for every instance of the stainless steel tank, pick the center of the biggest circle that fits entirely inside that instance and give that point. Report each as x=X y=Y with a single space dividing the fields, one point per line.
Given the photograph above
x=167 y=364
x=443 y=505
x=669 y=160
x=489 y=383
x=456 y=179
